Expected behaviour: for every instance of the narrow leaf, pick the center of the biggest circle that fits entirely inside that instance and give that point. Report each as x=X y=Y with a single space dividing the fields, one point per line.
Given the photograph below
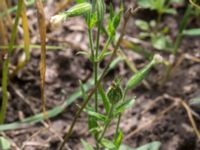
x=4 y=144
x=104 y=98
x=136 y=79
x=123 y=106
x=6 y=64
x=86 y=145
x=96 y=115
x=107 y=144
x=192 y=32
x=141 y=24
x=84 y=94
x=150 y=146
x=119 y=139
x=195 y=101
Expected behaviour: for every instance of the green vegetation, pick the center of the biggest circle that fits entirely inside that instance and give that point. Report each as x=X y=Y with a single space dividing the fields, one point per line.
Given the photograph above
x=104 y=106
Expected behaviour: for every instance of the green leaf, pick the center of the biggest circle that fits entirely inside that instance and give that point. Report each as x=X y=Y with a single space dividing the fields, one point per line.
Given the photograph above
x=144 y=35
x=114 y=22
x=150 y=146
x=80 y=1
x=92 y=121
x=107 y=143
x=177 y=1
x=86 y=145
x=93 y=20
x=85 y=53
x=119 y=139
x=145 y=3
x=117 y=18
x=159 y=42
x=142 y=25
x=111 y=10
x=137 y=78
x=84 y=94
x=4 y=144
x=104 y=98
x=115 y=62
x=192 y=32
x=100 y=10
x=96 y=115
x=170 y=11
x=195 y=101
x=125 y=147
x=123 y=106
x=78 y=9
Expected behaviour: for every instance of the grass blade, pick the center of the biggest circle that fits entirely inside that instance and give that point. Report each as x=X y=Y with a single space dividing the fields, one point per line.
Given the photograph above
x=6 y=64
x=26 y=41
x=42 y=30
x=51 y=113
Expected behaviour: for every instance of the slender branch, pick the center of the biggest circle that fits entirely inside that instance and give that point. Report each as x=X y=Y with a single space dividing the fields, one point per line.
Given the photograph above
x=107 y=123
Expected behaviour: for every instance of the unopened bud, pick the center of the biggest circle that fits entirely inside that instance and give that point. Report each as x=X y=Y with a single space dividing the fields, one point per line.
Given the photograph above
x=57 y=19
x=114 y=93
x=158 y=59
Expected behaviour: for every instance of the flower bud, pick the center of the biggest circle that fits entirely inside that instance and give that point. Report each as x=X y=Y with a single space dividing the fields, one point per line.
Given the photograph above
x=114 y=93
x=57 y=19
x=78 y=9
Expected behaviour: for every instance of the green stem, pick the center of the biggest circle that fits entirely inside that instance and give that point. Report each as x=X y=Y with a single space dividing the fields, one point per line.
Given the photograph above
x=96 y=65
x=105 y=49
x=91 y=43
x=109 y=117
x=94 y=68
x=181 y=28
x=178 y=40
x=7 y=62
x=119 y=117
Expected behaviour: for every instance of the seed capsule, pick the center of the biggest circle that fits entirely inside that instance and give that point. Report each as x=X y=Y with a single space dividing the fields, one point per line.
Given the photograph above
x=79 y=9
x=76 y=10
x=114 y=93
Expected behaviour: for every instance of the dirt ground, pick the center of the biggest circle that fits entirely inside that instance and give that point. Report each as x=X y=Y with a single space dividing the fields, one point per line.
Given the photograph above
x=157 y=115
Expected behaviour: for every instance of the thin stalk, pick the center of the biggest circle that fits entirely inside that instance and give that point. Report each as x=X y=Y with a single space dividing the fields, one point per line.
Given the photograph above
x=101 y=55
x=181 y=28
x=96 y=66
x=158 y=22
x=107 y=123
x=119 y=117
x=178 y=40
x=7 y=62
x=68 y=134
x=91 y=44
x=93 y=61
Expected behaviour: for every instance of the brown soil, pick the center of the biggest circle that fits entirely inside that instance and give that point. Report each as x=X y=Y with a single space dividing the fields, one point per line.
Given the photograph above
x=143 y=123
